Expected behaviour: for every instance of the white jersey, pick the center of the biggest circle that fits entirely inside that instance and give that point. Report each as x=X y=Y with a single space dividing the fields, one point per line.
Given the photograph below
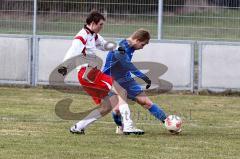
x=86 y=43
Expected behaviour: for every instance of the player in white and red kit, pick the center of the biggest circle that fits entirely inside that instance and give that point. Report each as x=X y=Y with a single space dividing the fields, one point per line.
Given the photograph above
x=101 y=87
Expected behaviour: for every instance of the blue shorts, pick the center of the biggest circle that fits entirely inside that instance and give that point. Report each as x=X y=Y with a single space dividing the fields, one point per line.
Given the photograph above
x=133 y=89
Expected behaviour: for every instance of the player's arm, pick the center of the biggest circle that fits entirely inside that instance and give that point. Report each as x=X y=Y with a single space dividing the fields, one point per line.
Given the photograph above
x=100 y=42
x=77 y=48
x=104 y=45
x=125 y=61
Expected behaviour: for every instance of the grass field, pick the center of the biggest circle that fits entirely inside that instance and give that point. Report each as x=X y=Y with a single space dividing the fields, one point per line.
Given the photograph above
x=29 y=128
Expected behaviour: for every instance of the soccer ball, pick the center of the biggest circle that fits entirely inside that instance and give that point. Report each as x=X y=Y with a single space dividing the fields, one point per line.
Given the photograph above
x=173 y=123
x=110 y=46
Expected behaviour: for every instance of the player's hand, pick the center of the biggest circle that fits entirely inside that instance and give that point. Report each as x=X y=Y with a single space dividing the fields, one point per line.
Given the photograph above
x=148 y=84
x=62 y=70
x=121 y=50
x=148 y=81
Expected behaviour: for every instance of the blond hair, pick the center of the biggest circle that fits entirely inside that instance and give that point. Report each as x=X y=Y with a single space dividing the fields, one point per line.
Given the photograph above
x=141 y=35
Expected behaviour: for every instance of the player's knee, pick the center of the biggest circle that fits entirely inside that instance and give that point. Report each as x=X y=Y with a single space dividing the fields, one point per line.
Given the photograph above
x=105 y=109
x=114 y=101
x=116 y=109
x=145 y=102
x=148 y=105
x=123 y=93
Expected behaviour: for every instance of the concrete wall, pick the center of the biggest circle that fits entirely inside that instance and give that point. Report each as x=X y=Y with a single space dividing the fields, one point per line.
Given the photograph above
x=177 y=57
x=170 y=61
x=15 y=60
x=219 y=65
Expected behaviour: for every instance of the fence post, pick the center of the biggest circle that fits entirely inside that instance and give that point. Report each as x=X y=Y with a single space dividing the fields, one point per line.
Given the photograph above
x=34 y=45
x=160 y=19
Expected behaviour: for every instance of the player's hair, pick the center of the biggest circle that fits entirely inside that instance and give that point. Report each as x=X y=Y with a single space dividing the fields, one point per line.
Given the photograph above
x=95 y=17
x=141 y=35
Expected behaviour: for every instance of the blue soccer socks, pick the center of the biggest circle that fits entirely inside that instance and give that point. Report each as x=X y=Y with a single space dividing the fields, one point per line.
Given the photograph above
x=156 y=111
x=117 y=119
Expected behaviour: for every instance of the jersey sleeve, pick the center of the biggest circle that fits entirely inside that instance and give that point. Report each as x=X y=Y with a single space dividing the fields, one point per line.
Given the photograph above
x=100 y=42
x=127 y=64
x=78 y=46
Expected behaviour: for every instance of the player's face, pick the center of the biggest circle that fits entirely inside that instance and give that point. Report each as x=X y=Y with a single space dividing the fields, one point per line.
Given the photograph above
x=98 y=27
x=140 y=44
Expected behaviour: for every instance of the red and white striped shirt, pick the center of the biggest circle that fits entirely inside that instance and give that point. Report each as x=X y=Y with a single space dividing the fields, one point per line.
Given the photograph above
x=85 y=42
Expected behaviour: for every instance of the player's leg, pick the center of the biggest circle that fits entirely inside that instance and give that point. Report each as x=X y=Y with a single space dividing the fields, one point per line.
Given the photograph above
x=115 y=99
x=122 y=107
x=117 y=119
x=153 y=108
x=104 y=108
x=122 y=104
x=124 y=122
x=99 y=91
x=122 y=114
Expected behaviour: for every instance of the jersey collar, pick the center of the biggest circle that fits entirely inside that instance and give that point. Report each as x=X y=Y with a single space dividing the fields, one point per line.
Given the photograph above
x=89 y=30
x=124 y=43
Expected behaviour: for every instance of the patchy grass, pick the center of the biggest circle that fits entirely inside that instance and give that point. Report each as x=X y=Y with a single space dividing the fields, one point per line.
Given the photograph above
x=30 y=128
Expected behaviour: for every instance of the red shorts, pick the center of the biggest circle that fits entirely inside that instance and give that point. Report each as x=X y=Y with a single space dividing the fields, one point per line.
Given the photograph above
x=99 y=88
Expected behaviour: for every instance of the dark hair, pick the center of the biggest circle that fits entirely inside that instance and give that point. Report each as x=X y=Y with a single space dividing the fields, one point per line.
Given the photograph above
x=95 y=17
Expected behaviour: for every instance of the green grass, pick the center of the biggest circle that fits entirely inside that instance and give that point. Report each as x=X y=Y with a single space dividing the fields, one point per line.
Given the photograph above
x=29 y=128
x=219 y=24
x=215 y=24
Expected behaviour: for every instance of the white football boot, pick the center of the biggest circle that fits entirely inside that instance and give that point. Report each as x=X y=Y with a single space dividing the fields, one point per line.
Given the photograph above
x=129 y=128
x=128 y=124
x=74 y=130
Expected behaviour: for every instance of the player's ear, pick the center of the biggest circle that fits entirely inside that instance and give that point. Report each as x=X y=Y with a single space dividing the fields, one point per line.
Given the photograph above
x=92 y=23
x=137 y=40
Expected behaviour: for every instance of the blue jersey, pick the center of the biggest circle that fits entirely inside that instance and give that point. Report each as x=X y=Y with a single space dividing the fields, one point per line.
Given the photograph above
x=119 y=65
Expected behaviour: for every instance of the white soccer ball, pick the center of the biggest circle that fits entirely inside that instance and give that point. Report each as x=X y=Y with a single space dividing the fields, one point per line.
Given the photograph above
x=109 y=46
x=173 y=123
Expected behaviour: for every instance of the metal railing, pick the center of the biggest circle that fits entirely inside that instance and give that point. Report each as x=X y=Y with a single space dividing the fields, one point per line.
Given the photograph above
x=166 y=19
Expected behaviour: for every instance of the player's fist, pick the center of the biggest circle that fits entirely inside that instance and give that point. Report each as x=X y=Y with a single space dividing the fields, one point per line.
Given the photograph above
x=121 y=50
x=148 y=84
x=62 y=70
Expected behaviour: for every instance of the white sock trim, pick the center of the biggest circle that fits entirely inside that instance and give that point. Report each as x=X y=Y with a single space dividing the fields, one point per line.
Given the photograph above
x=126 y=116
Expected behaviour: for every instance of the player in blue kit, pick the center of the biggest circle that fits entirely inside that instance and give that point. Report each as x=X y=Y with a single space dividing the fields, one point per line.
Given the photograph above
x=119 y=66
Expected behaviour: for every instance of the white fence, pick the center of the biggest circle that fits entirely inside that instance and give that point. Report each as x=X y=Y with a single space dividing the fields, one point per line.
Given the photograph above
x=15 y=60
x=50 y=54
x=217 y=68
x=176 y=57
x=219 y=65
x=166 y=19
